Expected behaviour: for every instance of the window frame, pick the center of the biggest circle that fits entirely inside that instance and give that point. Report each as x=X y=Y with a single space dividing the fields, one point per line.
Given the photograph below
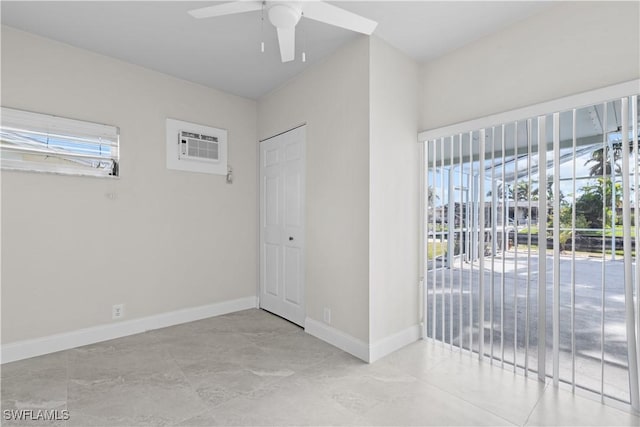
x=22 y=147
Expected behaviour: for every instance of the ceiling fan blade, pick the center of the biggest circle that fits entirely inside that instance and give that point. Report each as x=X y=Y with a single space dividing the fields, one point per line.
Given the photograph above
x=226 y=9
x=287 y=41
x=332 y=15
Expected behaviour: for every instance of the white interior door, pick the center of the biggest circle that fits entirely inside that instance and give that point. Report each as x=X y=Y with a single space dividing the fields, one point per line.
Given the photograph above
x=282 y=237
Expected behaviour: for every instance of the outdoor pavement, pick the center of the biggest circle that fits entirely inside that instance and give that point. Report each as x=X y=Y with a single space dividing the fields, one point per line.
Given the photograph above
x=519 y=290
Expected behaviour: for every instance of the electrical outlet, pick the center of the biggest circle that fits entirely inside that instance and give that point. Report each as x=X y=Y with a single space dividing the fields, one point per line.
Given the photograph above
x=327 y=316
x=117 y=312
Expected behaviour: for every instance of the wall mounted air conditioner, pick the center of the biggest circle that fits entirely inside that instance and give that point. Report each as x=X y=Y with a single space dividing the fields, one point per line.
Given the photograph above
x=198 y=146
x=193 y=147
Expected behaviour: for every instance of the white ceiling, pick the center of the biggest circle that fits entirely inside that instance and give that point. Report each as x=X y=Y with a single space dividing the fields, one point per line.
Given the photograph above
x=224 y=52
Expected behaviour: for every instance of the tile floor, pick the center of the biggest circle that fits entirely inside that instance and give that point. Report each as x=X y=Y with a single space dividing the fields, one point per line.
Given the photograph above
x=252 y=368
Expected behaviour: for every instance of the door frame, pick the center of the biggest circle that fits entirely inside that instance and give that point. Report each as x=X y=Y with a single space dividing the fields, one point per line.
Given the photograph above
x=259 y=195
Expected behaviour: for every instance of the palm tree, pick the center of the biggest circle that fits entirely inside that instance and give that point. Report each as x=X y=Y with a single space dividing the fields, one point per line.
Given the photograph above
x=501 y=188
x=524 y=192
x=602 y=164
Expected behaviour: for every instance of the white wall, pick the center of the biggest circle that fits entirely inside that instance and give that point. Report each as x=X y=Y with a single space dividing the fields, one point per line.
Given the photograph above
x=361 y=108
x=169 y=240
x=567 y=49
x=393 y=192
x=333 y=99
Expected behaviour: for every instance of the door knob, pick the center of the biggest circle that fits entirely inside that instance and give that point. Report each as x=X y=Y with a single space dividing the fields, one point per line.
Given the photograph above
x=290 y=238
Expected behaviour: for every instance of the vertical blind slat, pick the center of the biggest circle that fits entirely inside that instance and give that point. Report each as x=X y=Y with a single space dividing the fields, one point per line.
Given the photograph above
x=462 y=220
x=493 y=240
x=556 y=248
x=472 y=234
x=573 y=253
x=442 y=264
x=604 y=236
x=529 y=225
x=481 y=248
x=542 y=248
x=628 y=285
x=425 y=242
x=451 y=239
x=515 y=247
x=636 y=170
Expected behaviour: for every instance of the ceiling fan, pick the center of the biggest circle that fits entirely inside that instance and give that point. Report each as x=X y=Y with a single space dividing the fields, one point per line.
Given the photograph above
x=285 y=15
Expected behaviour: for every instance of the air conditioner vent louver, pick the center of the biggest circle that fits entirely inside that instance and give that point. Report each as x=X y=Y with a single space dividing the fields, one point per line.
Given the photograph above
x=195 y=146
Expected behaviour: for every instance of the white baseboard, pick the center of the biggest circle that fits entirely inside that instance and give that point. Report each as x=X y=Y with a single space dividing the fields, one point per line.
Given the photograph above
x=36 y=347
x=359 y=348
x=337 y=338
x=394 y=342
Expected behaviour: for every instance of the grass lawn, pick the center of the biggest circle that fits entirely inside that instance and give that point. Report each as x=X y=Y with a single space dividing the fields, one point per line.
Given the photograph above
x=534 y=230
x=593 y=233
x=522 y=248
x=436 y=248
x=608 y=232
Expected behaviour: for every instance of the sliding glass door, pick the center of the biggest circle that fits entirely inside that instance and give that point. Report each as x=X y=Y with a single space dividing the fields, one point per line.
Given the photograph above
x=530 y=236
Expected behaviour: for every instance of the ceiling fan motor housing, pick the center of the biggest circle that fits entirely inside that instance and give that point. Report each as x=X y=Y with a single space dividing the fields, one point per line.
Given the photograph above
x=285 y=14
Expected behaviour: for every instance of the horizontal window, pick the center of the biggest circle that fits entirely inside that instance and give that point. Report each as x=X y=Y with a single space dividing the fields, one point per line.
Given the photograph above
x=45 y=143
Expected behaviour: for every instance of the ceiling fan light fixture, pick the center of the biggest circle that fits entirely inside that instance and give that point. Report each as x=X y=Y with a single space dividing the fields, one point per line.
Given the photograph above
x=284 y=15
